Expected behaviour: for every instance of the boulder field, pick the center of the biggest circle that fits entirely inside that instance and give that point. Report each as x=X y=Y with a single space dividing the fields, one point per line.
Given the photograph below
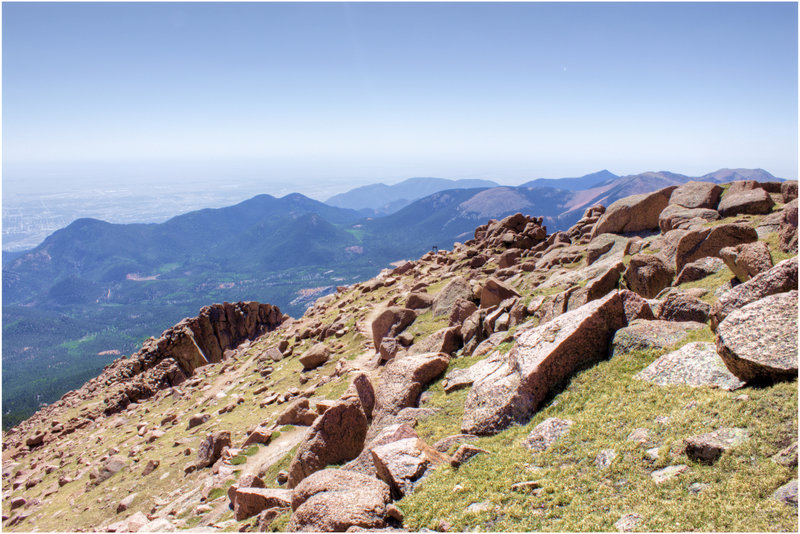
x=463 y=390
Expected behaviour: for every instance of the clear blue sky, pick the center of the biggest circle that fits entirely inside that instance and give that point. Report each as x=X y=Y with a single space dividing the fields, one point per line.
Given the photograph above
x=382 y=92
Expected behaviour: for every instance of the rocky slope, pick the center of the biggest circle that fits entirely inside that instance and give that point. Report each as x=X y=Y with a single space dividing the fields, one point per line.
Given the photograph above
x=635 y=372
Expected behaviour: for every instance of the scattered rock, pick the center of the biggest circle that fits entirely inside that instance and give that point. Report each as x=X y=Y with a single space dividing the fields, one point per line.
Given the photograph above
x=315 y=356
x=150 y=467
x=455 y=290
x=464 y=453
x=707 y=448
x=628 y=523
x=787 y=457
x=695 y=364
x=125 y=503
x=546 y=433
x=389 y=322
x=444 y=444
x=197 y=420
x=679 y=306
x=252 y=501
x=662 y=475
x=298 y=413
x=639 y=435
x=494 y=292
x=605 y=458
x=699 y=269
x=111 y=466
x=697 y=487
x=759 y=341
x=696 y=195
x=419 y=300
x=210 y=449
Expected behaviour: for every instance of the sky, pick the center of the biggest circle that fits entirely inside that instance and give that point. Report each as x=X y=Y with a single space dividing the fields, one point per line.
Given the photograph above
x=98 y=94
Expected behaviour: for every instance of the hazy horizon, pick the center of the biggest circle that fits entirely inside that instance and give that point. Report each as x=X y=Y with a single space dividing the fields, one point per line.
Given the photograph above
x=358 y=93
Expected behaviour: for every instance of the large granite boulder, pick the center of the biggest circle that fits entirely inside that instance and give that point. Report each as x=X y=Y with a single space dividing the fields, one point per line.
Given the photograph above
x=648 y=274
x=334 y=500
x=752 y=201
x=685 y=246
x=403 y=462
x=457 y=288
x=515 y=384
x=696 y=195
x=634 y=213
x=298 y=413
x=758 y=342
x=494 y=292
x=315 y=356
x=747 y=260
x=250 y=501
x=682 y=306
x=781 y=278
x=675 y=216
x=210 y=449
x=336 y=436
x=699 y=269
x=404 y=378
x=447 y=340
x=787 y=231
x=789 y=191
x=388 y=434
x=388 y=322
x=646 y=335
x=695 y=364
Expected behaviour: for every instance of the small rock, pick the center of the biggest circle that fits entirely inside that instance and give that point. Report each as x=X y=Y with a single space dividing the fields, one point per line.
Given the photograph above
x=787 y=493
x=697 y=487
x=707 y=448
x=465 y=452
x=478 y=507
x=604 y=458
x=639 y=435
x=662 y=475
x=628 y=522
x=125 y=503
x=546 y=433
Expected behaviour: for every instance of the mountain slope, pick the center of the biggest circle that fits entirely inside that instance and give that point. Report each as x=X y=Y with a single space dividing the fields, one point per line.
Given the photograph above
x=596 y=419
x=573 y=184
x=381 y=199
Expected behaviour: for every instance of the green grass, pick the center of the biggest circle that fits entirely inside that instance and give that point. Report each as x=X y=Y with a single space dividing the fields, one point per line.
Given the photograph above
x=215 y=494
x=280 y=465
x=606 y=404
x=251 y=450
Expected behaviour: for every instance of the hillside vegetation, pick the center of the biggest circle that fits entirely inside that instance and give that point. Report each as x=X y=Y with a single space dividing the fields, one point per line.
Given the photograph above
x=636 y=372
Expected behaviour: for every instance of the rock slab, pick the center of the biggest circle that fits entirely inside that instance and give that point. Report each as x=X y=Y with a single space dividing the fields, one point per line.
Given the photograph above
x=695 y=364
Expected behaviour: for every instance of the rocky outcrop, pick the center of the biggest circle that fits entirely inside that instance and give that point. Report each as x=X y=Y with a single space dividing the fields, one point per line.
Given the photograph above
x=758 y=342
x=514 y=386
x=210 y=449
x=515 y=231
x=336 y=436
x=334 y=500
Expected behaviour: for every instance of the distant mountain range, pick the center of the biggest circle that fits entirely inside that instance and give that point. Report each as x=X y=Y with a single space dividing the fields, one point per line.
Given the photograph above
x=95 y=289
x=382 y=199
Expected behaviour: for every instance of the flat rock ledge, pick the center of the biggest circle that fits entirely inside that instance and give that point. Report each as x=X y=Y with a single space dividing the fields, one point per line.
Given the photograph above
x=695 y=364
